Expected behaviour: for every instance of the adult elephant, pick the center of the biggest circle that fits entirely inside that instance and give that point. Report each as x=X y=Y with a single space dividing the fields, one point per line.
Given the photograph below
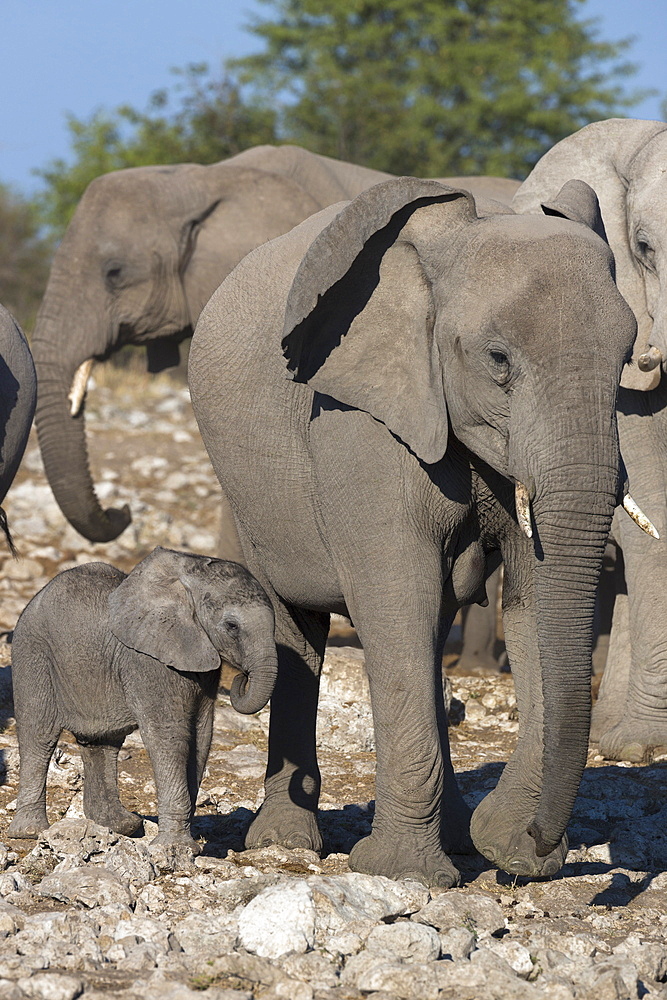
x=18 y=393
x=143 y=253
x=405 y=313
x=625 y=160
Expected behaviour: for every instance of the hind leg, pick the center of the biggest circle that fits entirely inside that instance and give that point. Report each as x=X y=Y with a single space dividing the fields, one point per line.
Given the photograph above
x=100 y=787
x=36 y=750
x=38 y=729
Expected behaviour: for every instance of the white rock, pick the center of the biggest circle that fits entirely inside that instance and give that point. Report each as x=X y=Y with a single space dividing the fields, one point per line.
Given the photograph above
x=515 y=954
x=92 y=886
x=457 y=943
x=458 y=908
x=369 y=972
x=51 y=986
x=405 y=941
x=281 y=919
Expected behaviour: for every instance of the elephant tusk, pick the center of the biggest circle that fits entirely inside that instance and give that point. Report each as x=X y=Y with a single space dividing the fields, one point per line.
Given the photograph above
x=77 y=393
x=638 y=516
x=649 y=360
x=522 y=501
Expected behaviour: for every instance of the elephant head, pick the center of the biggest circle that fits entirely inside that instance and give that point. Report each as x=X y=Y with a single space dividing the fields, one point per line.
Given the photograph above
x=190 y=612
x=508 y=331
x=625 y=161
x=144 y=251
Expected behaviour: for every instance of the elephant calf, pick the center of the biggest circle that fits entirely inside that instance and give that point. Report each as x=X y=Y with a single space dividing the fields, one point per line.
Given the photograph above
x=100 y=653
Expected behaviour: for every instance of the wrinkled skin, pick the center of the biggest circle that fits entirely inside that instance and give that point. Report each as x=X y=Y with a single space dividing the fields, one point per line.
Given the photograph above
x=400 y=313
x=18 y=393
x=625 y=160
x=149 y=645
x=143 y=253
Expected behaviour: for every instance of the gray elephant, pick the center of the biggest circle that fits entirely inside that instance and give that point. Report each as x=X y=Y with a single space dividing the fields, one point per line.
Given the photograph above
x=406 y=315
x=101 y=653
x=18 y=394
x=625 y=160
x=143 y=253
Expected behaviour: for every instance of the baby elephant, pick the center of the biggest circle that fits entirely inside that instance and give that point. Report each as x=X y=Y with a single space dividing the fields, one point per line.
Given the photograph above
x=101 y=653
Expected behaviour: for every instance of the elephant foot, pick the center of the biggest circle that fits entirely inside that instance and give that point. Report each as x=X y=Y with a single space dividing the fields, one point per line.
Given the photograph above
x=116 y=818
x=398 y=859
x=478 y=666
x=506 y=842
x=280 y=822
x=605 y=716
x=28 y=824
x=634 y=741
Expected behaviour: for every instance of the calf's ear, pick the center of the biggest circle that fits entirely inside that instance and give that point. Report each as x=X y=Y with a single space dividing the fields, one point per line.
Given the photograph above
x=153 y=612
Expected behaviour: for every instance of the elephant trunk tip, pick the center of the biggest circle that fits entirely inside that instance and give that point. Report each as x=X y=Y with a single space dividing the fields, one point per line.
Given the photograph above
x=245 y=696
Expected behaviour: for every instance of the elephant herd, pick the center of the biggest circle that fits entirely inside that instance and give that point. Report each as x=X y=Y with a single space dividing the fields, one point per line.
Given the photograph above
x=401 y=383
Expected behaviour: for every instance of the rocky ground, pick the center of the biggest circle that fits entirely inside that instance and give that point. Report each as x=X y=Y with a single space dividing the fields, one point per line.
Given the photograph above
x=86 y=912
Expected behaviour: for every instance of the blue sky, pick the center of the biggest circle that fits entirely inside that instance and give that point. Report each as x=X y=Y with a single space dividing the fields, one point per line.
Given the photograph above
x=77 y=55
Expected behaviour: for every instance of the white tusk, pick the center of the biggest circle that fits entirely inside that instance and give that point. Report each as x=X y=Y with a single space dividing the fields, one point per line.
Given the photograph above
x=522 y=501
x=649 y=360
x=638 y=516
x=77 y=393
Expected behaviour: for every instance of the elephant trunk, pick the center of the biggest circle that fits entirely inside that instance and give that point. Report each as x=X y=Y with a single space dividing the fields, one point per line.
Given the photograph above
x=62 y=438
x=570 y=551
x=252 y=688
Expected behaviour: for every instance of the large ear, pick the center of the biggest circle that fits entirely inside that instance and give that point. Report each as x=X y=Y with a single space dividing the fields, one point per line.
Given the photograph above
x=232 y=210
x=153 y=612
x=602 y=154
x=360 y=314
x=578 y=202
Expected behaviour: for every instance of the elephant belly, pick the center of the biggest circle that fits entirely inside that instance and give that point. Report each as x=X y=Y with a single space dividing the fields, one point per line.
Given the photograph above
x=91 y=701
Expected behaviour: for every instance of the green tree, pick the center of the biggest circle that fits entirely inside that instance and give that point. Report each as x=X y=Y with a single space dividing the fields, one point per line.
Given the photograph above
x=435 y=87
x=202 y=119
x=25 y=255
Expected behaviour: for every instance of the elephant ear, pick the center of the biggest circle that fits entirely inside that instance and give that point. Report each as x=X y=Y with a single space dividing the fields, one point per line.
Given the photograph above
x=578 y=202
x=153 y=611
x=360 y=313
x=604 y=154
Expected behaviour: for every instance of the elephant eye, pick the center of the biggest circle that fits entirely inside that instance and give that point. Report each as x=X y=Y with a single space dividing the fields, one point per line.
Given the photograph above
x=232 y=626
x=500 y=366
x=113 y=276
x=645 y=252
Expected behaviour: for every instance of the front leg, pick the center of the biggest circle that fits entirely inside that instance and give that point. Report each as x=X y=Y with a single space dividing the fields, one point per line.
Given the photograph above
x=419 y=810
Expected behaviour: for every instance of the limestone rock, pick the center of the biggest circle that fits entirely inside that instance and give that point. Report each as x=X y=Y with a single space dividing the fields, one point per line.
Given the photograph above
x=92 y=886
x=280 y=920
x=458 y=908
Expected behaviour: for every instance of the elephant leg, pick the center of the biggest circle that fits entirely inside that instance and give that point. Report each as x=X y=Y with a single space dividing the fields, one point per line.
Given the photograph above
x=169 y=747
x=479 y=632
x=229 y=544
x=100 y=787
x=641 y=726
x=500 y=822
x=288 y=814
x=610 y=578
x=613 y=694
x=203 y=742
x=35 y=750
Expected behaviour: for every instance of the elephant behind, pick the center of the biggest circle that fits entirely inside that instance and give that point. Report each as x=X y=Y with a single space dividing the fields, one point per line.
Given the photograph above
x=145 y=250
x=18 y=394
x=435 y=353
x=625 y=161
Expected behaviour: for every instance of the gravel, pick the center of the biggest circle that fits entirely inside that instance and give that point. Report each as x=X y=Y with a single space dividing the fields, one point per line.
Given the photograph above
x=86 y=912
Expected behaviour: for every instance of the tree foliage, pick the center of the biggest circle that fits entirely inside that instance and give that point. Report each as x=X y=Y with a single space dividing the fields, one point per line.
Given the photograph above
x=25 y=256
x=435 y=87
x=202 y=119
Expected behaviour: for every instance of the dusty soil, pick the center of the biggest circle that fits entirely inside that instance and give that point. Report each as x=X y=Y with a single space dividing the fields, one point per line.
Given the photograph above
x=145 y=451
